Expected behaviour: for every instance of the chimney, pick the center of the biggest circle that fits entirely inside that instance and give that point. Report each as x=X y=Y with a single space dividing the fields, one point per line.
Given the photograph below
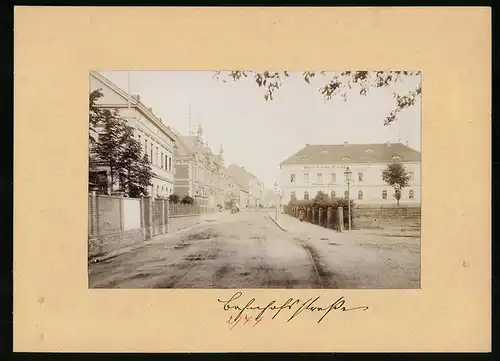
x=345 y=143
x=389 y=144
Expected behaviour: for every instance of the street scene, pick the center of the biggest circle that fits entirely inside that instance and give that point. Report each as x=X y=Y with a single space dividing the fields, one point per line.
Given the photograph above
x=217 y=254
x=254 y=180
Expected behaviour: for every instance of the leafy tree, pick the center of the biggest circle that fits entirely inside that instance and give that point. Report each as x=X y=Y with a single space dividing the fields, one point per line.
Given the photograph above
x=117 y=150
x=173 y=198
x=188 y=200
x=338 y=84
x=396 y=176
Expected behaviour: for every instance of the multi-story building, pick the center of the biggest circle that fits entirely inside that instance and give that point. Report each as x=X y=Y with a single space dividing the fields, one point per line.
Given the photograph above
x=199 y=172
x=157 y=140
x=321 y=168
x=248 y=182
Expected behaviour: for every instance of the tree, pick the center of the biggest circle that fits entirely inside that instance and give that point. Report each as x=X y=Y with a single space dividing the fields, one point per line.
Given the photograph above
x=110 y=147
x=188 y=200
x=173 y=198
x=338 y=84
x=396 y=176
x=117 y=150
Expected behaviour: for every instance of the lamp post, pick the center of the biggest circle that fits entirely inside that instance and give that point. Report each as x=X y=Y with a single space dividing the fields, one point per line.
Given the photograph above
x=348 y=179
x=276 y=191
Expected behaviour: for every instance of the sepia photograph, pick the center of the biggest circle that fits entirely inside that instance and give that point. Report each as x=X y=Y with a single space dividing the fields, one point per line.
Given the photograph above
x=254 y=179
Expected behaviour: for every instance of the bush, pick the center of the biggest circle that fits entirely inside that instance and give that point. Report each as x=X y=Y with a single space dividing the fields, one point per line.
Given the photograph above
x=321 y=201
x=173 y=198
x=187 y=200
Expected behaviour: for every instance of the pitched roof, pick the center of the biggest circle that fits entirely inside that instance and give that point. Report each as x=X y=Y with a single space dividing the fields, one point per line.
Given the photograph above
x=135 y=102
x=353 y=153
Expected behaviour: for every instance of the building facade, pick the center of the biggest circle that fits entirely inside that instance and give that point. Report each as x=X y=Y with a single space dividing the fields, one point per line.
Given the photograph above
x=248 y=182
x=233 y=191
x=157 y=140
x=199 y=173
x=321 y=168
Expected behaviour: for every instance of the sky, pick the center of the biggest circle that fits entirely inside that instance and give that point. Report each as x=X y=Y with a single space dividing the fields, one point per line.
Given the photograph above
x=259 y=134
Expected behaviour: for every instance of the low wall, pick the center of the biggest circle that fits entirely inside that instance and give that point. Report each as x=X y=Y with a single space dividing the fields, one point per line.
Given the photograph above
x=177 y=223
x=105 y=243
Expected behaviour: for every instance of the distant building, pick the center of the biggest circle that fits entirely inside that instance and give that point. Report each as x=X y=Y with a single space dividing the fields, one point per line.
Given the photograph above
x=199 y=172
x=157 y=140
x=234 y=191
x=248 y=182
x=321 y=168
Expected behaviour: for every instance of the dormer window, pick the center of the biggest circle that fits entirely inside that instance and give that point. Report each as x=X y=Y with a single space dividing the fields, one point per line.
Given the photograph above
x=324 y=151
x=396 y=158
x=369 y=150
x=346 y=158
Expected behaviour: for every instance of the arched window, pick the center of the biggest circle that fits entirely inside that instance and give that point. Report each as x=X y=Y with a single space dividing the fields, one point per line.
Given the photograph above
x=384 y=194
x=306 y=195
x=332 y=195
x=411 y=194
x=360 y=195
x=346 y=194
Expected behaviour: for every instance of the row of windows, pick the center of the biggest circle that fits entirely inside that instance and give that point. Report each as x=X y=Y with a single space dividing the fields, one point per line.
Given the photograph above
x=333 y=177
x=157 y=158
x=162 y=191
x=411 y=195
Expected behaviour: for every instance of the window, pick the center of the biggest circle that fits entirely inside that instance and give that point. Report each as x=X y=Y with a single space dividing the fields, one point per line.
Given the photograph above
x=332 y=195
x=306 y=195
x=157 y=160
x=360 y=177
x=292 y=178
x=162 y=190
x=151 y=159
x=170 y=164
x=324 y=151
x=157 y=191
x=306 y=177
x=384 y=194
x=146 y=147
x=292 y=195
x=139 y=140
x=346 y=194
x=360 y=195
x=319 y=176
x=412 y=176
x=166 y=162
x=162 y=161
x=411 y=194
x=333 y=177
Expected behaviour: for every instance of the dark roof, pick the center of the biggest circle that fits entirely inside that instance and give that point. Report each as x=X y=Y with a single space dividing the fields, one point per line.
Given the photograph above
x=353 y=153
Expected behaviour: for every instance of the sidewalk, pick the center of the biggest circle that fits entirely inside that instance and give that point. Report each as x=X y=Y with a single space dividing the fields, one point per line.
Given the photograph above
x=293 y=225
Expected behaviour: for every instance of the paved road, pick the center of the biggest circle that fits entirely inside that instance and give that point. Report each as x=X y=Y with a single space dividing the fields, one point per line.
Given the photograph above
x=247 y=250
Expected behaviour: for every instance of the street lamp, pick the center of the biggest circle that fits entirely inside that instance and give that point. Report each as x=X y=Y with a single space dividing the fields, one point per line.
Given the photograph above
x=276 y=191
x=348 y=179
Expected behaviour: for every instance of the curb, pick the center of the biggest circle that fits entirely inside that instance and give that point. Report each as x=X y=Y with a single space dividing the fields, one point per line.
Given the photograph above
x=114 y=254
x=276 y=222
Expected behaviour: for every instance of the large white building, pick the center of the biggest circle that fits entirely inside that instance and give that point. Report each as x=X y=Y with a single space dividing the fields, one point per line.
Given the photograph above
x=321 y=168
x=155 y=138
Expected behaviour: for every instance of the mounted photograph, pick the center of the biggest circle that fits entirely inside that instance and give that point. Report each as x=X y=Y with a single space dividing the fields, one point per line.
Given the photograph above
x=254 y=179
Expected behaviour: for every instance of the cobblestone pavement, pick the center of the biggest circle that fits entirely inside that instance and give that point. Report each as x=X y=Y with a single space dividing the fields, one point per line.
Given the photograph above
x=248 y=250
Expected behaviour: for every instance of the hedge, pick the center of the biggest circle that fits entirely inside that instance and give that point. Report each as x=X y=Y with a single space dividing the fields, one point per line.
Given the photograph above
x=323 y=203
